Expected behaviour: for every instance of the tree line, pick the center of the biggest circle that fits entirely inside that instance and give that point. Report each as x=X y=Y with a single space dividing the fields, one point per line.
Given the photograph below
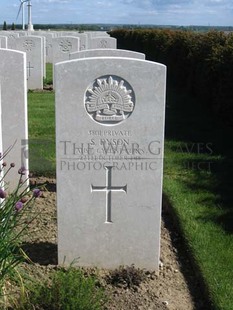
x=200 y=63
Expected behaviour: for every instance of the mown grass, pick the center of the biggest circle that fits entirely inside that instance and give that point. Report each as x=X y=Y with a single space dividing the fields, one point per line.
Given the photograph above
x=41 y=112
x=49 y=74
x=197 y=181
x=41 y=122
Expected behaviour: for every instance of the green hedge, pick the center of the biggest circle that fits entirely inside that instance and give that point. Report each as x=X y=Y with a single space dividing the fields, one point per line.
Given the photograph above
x=201 y=63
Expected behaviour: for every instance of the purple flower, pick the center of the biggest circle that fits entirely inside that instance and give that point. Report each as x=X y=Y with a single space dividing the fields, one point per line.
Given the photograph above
x=2 y=193
x=22 y=171
x=36 y=193
x=18 y=206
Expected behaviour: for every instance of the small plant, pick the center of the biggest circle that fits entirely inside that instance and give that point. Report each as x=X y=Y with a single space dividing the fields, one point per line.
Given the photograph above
x=68 y=289
x=15 y=215
x=127 y=277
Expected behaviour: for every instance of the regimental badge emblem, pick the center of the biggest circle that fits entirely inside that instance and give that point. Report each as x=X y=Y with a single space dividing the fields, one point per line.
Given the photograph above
x=103 y=44
x=28 y=45
x=65 y=46
x=109 y=100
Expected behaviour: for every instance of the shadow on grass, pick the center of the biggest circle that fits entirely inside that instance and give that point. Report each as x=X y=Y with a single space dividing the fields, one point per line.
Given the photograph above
x=189 y=267
x=43 y=253
x=208 y=143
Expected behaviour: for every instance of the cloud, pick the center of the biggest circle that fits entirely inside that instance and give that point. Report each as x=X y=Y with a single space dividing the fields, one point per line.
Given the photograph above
x=179 y=12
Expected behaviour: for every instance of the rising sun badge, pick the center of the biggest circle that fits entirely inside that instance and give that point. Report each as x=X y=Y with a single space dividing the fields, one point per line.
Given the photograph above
x=109 y=100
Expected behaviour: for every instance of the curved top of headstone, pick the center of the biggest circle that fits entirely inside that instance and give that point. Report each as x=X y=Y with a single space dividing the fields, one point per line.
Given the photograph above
x=103 y=52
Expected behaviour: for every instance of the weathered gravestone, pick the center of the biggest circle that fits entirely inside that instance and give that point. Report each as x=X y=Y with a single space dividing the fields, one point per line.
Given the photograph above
x=33 y=46
x=105 y=52
x=14 y=111
x=109 y=135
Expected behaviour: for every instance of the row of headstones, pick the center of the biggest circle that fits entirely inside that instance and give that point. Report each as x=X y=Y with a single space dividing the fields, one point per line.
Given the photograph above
x=109 y=137
x=45 y=47
x=87 y=40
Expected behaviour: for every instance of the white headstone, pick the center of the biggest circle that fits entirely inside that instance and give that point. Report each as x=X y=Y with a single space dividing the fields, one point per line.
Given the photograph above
x=3 y=41
x=102 y=42
x=14 y=111
x=98 y=34
x=83 y=38
x=33 y=46
x=63 y=46
x=109 y=135
x=48 y=46
x=12 y=36
x=106 y=53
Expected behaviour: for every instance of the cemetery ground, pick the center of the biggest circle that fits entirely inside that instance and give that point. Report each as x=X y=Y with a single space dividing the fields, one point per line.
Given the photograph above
x=197 y=248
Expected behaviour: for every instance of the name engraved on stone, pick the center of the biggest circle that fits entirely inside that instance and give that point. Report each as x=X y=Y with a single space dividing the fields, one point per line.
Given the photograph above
x=28 y=45
x=109 y=100
x=65 y=46
x=108 y=188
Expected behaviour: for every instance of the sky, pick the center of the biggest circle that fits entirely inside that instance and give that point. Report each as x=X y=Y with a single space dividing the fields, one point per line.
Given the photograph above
x=156 y=12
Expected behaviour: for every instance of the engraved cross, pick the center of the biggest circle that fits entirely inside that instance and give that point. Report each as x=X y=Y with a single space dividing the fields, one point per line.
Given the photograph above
x=108 y=188
x=29 y=69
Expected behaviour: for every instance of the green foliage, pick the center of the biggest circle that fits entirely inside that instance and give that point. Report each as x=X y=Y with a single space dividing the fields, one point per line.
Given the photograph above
x=15 y=216
x=198 y=183
x=68 y=290
x=13 y=26
x=200 y=63
x=41 y=111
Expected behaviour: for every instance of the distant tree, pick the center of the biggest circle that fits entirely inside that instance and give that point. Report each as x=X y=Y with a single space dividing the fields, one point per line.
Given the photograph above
x=4 y=26
x=13 y=26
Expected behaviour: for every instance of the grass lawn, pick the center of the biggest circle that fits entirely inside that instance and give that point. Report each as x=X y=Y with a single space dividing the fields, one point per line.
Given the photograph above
x=41 y=114
x=197 y=181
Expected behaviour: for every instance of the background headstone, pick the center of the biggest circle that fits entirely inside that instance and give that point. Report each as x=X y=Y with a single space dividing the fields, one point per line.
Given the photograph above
x=102 y=42
x=33 y=47
x=3 y=41
x=63 y=46
x=98 y=34
x=106 y=53
x=12 y=36
x=83 y=38
x=109 y=137
x=14 y=111
x=48 y=45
